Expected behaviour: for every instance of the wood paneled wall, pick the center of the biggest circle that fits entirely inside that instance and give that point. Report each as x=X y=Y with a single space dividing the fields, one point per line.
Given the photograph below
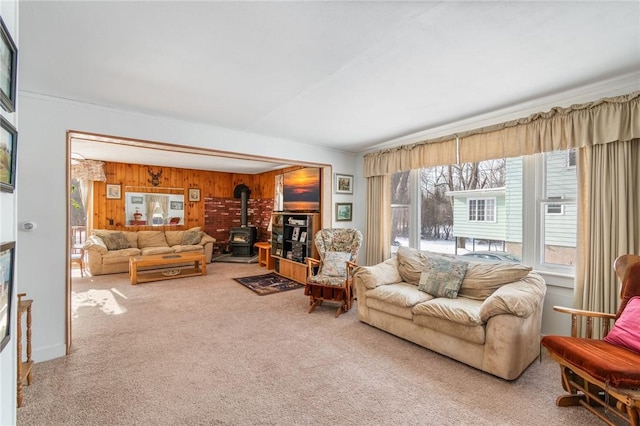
x=110 y=213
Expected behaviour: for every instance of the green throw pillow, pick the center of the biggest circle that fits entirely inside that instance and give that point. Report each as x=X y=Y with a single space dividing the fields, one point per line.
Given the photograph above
x=442 y=277
x=190 y=238
x=115 y=241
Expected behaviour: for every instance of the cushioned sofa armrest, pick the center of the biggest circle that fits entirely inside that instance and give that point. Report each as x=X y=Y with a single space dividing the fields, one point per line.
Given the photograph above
x=95 y=243
x=381 y=274
x=206 y=238
x=520 y=298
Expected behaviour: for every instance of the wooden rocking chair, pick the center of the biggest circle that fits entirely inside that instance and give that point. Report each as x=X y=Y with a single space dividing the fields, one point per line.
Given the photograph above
x=596 y=373
x=330 y=277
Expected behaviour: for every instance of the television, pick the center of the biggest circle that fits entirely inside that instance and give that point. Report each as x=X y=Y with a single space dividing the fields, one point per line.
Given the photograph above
x=301 y=190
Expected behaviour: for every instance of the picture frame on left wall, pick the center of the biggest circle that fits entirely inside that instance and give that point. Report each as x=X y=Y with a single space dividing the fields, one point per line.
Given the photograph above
x=114 y=191
x=8 y=69
x=7 y=255
x=8 y=152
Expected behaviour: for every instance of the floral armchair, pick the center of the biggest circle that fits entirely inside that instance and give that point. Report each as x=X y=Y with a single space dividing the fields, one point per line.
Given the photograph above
x=330 y=277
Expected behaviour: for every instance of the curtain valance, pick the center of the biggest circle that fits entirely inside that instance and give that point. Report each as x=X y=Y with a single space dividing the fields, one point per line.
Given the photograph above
x=603 y=121
x=89 y=170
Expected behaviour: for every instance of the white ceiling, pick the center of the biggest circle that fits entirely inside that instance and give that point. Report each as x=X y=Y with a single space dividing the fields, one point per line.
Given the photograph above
x=344 y=75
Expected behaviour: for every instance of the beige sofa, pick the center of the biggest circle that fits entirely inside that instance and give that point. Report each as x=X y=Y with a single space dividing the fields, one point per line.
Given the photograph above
x=108 y=252
x=492 y=323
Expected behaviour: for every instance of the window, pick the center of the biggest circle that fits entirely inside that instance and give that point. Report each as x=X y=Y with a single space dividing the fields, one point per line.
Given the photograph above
x=520 y=208
x=571 y=157
x=401 y=184
x=558 y=201
x=554 y=208
x=482 y=210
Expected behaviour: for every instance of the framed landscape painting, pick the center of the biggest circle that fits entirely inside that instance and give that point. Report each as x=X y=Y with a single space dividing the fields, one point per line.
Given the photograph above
x=6 y=291
x=344 y=212
x=8 y=69
x=8 y=150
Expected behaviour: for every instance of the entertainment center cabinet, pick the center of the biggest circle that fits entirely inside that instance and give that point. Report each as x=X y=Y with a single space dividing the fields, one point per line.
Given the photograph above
x=292 y=242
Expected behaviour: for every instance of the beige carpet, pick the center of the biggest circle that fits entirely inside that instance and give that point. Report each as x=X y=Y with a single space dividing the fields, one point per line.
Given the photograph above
x=208 y=351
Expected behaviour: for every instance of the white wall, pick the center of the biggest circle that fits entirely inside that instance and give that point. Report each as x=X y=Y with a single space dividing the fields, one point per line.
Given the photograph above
x=43 y=185
x=8 y=226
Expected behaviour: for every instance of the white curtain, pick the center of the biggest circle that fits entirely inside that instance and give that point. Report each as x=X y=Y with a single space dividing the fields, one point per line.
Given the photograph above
x=86 y=172
x=153 y=201
x=86 y=190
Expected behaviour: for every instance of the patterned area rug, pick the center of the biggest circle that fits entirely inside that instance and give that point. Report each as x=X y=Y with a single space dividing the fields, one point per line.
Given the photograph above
x=268 y=283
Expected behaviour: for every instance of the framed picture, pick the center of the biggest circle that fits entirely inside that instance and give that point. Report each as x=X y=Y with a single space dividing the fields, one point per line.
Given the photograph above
x=177 y=205
x=194 y=194
x=8 y=69
x=278 y=252
x=136 y=199
x=295 y=234
x=343 y=184
x=8 y=150
x=113 y=191
x=6 y=291
x=344 y=212
x=303 y=236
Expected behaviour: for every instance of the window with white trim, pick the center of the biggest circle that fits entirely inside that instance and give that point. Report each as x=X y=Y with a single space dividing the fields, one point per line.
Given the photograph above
x=527 y=208
x=482 y=209
x=553 y=208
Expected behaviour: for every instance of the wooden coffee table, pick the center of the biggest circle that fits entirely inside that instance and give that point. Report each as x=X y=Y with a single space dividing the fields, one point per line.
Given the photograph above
x=166 y=267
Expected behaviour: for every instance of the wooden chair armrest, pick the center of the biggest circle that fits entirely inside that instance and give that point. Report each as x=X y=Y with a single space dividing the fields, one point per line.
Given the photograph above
x=584 y=313
x=351 y=266
x=311 y=263
x=590 y=315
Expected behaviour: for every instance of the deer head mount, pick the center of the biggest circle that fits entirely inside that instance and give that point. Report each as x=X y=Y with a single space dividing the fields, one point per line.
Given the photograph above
x=155 y=177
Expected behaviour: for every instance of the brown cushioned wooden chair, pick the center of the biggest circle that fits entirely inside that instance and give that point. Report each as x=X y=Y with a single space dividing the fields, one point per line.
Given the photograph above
x=330 y=277
x=602 y=377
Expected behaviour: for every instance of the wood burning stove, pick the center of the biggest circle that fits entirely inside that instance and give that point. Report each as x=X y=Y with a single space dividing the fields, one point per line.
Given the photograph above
x=244 y=237
x=242 y=240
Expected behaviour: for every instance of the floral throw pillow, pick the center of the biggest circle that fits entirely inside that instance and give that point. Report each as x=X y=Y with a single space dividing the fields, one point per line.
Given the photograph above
x=626 y=330
x=335 y=263
x=442 y=277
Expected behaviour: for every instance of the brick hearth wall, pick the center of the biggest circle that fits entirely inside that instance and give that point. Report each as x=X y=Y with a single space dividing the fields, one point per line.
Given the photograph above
x=222 y=214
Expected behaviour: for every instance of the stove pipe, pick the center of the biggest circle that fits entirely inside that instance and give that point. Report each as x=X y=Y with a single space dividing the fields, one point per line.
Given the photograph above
x=242 y=191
